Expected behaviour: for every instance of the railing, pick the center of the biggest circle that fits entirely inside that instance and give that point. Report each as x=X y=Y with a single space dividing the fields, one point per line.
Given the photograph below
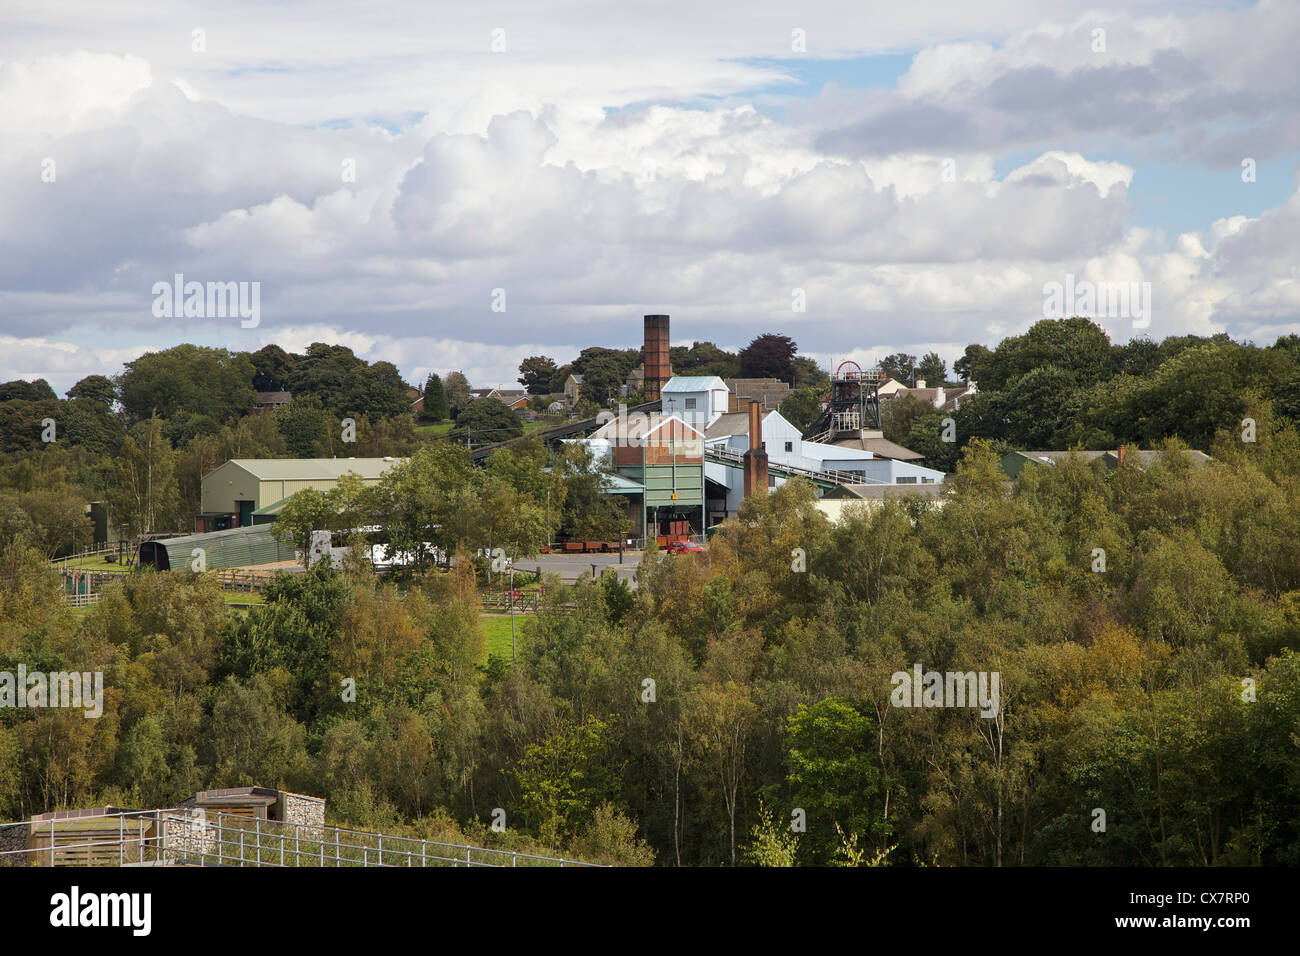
x=511 y=600
x=189 y=837
x=829 y=476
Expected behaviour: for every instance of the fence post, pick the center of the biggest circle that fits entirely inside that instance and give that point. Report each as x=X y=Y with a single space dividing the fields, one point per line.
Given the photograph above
x=381 y=849
x=120 y=834
x=51 y=842
x=257 y=838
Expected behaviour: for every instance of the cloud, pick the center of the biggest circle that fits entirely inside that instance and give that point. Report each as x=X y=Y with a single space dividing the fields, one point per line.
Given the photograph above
x=594 y=179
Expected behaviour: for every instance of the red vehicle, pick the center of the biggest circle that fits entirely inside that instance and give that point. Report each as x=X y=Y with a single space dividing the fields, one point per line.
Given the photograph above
x=683 y=547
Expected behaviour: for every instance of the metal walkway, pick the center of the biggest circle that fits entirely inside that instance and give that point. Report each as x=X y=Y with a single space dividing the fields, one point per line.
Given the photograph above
x=825 y=479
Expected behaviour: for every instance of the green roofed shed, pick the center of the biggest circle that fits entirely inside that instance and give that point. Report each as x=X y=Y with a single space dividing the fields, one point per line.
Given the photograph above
x=236 y=548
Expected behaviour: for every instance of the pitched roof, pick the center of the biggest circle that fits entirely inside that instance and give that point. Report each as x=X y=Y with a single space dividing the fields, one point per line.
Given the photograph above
x=274 y=398
x=726 y=425
x=640 y=426
x=694 y=383
x=306 y=469
x=880 y=447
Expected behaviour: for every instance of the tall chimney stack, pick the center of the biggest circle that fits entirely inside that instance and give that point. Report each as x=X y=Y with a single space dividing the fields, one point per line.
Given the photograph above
x=658 y=368
x=755 y=459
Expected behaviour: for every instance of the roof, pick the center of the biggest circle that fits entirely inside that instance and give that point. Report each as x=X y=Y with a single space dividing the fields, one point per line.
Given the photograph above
x=880 y=447
x=616 y=484
x=931 y=489
x=233 y=548
x=274 y=507
x=640 y=426
x=726 y=425
x=305 y=469
x=694 y=383
x=770 y=391
x=272 y=398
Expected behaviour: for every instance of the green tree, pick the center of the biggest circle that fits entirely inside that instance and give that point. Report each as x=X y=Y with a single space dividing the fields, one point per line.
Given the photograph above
x=436 y=408
x=487 y=421
x=769 y=356
x=537 y=373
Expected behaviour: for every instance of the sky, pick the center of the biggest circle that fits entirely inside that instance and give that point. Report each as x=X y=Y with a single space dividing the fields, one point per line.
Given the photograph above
x=459 y=190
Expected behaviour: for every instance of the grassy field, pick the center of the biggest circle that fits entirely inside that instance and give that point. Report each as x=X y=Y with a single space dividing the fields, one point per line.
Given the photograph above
x=93 y=563
x=496 y=627
x=433 y=431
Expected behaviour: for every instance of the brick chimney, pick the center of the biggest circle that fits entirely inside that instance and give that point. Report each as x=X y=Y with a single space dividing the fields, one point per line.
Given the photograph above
x=658 y=368
x=755 y=459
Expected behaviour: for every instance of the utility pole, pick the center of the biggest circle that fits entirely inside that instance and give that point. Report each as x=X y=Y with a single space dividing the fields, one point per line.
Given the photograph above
x=512 y=614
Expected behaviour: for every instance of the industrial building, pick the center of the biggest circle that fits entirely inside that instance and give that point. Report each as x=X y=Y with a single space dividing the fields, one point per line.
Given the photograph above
x=232 y=548
x=248 y=491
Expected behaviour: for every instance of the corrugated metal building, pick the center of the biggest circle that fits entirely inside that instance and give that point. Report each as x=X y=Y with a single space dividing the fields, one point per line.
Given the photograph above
x=234 y=548
x=232 y=492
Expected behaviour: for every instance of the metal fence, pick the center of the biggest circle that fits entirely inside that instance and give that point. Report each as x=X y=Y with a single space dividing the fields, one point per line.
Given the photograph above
x=188 y=837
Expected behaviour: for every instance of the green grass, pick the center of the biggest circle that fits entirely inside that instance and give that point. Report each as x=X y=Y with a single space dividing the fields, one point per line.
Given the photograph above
x=93 y=563
x=433 y=431
x=243 y=597
x=496 y=628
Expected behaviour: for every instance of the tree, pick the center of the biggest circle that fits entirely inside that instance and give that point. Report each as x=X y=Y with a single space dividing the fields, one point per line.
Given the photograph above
x=901 y=367
x=146 y=494
x=834 y=775
x=589 y=512
x=932 y=369
x=305 y=426
x=20 y=390
x=769 y=356
x=802 y=406
x=95 y=388
x=602 y=379
x=808 y=374
x=205 y=381
x=458 y=394
x=721 y=720
x=1078 y=346
x=566 y=777
x=272 y=367
x=488 y=420
x=899 y=412
x=537 y=373
x=968 y=365
x=436 y=408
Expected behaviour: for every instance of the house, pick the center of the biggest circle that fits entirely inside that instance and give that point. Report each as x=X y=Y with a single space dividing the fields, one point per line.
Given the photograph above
x=635 y=381
x=572 y=386
x=271 y=400
x=936 y=397
x=696 y=399
x=232 y=493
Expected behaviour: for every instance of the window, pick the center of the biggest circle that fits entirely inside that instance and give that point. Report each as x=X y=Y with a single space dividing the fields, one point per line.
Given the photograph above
x=906 y=481
x=690 y=403
x=789 y=446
